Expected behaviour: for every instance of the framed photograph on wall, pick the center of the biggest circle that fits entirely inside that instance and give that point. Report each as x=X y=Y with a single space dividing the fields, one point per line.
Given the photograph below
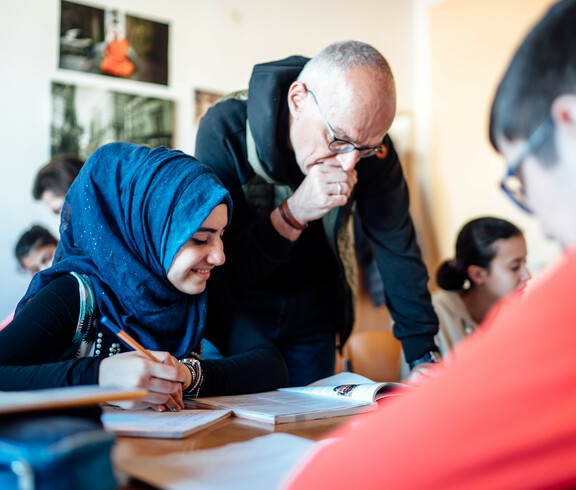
x=203 y=99
x=85 y=118
x=110 y=42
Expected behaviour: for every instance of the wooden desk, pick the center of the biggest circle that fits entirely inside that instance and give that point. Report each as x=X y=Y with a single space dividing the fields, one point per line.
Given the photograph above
x=230 y=430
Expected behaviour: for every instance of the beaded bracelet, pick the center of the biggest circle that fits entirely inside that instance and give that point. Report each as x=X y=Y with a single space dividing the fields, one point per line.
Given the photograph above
x=197 y=376
x=288 y=217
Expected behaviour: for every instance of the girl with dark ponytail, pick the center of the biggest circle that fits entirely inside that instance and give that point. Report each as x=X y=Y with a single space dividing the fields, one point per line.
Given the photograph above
x=490 y=263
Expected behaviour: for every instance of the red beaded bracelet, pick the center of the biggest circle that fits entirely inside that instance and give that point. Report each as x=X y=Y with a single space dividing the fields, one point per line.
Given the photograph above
x=288 y=217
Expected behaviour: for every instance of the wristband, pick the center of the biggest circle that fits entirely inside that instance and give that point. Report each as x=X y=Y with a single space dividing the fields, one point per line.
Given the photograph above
x=288 y=217
x=197 y=376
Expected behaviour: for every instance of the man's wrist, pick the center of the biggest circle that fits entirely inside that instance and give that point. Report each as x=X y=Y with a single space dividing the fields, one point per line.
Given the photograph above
x=283 y=228
x=428 y=357
x=289 y=218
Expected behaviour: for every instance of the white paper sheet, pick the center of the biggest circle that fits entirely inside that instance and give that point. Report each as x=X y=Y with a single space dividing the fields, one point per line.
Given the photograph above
x=257 y=464
x=165 y=425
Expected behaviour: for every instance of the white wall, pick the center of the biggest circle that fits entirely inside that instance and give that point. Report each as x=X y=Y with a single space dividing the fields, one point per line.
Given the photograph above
x=213 y=45
x=470 y=44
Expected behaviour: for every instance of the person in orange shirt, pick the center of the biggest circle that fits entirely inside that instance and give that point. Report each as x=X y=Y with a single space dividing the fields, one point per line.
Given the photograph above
x=501 y=414
x=116 y=61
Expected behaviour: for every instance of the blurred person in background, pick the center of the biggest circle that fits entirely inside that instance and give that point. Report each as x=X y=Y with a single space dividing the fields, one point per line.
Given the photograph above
x=54 y=179
x=489 y=264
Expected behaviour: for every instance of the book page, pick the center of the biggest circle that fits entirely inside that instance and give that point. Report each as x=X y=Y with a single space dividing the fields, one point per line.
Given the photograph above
x=258 y=464
x=284 y=406
x=346 y=385
x=166 y=425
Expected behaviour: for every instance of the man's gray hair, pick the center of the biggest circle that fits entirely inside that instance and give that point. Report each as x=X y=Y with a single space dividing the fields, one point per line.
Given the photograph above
x=342 y=56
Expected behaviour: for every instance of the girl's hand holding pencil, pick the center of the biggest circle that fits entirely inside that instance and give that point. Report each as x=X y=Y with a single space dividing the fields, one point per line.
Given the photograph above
x=158 y=372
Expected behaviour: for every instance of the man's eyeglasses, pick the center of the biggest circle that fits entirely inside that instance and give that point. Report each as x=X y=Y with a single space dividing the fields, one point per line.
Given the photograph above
x=338 y=145
x=512 y=183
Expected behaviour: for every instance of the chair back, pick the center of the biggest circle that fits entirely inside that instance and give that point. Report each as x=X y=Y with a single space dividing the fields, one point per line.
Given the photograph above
x=375 y=354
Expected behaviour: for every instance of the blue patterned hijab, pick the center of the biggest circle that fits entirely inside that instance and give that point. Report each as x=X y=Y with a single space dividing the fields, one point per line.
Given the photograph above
x=125 y=217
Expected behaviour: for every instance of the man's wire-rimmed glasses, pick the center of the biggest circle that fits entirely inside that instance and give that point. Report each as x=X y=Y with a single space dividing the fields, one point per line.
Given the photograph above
x=338 y=145
x=512 y=183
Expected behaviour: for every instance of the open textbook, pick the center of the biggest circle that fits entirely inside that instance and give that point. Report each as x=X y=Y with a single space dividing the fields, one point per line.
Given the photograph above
x=65 y=397
x=342 y=394
x=165 y=425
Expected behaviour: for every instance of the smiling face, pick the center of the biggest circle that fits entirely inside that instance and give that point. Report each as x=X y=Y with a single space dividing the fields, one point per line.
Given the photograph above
x=358 y=106
x=193 y=263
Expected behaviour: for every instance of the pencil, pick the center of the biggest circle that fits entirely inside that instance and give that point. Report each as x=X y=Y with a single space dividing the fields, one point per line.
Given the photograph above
x=128 y=340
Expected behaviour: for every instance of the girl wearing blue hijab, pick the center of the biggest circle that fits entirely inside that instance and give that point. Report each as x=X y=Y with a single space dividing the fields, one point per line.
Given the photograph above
x=140 y=232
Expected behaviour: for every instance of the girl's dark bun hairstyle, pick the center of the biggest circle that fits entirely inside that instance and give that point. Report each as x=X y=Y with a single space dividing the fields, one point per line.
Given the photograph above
x=474 y=246
x=450 y=276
